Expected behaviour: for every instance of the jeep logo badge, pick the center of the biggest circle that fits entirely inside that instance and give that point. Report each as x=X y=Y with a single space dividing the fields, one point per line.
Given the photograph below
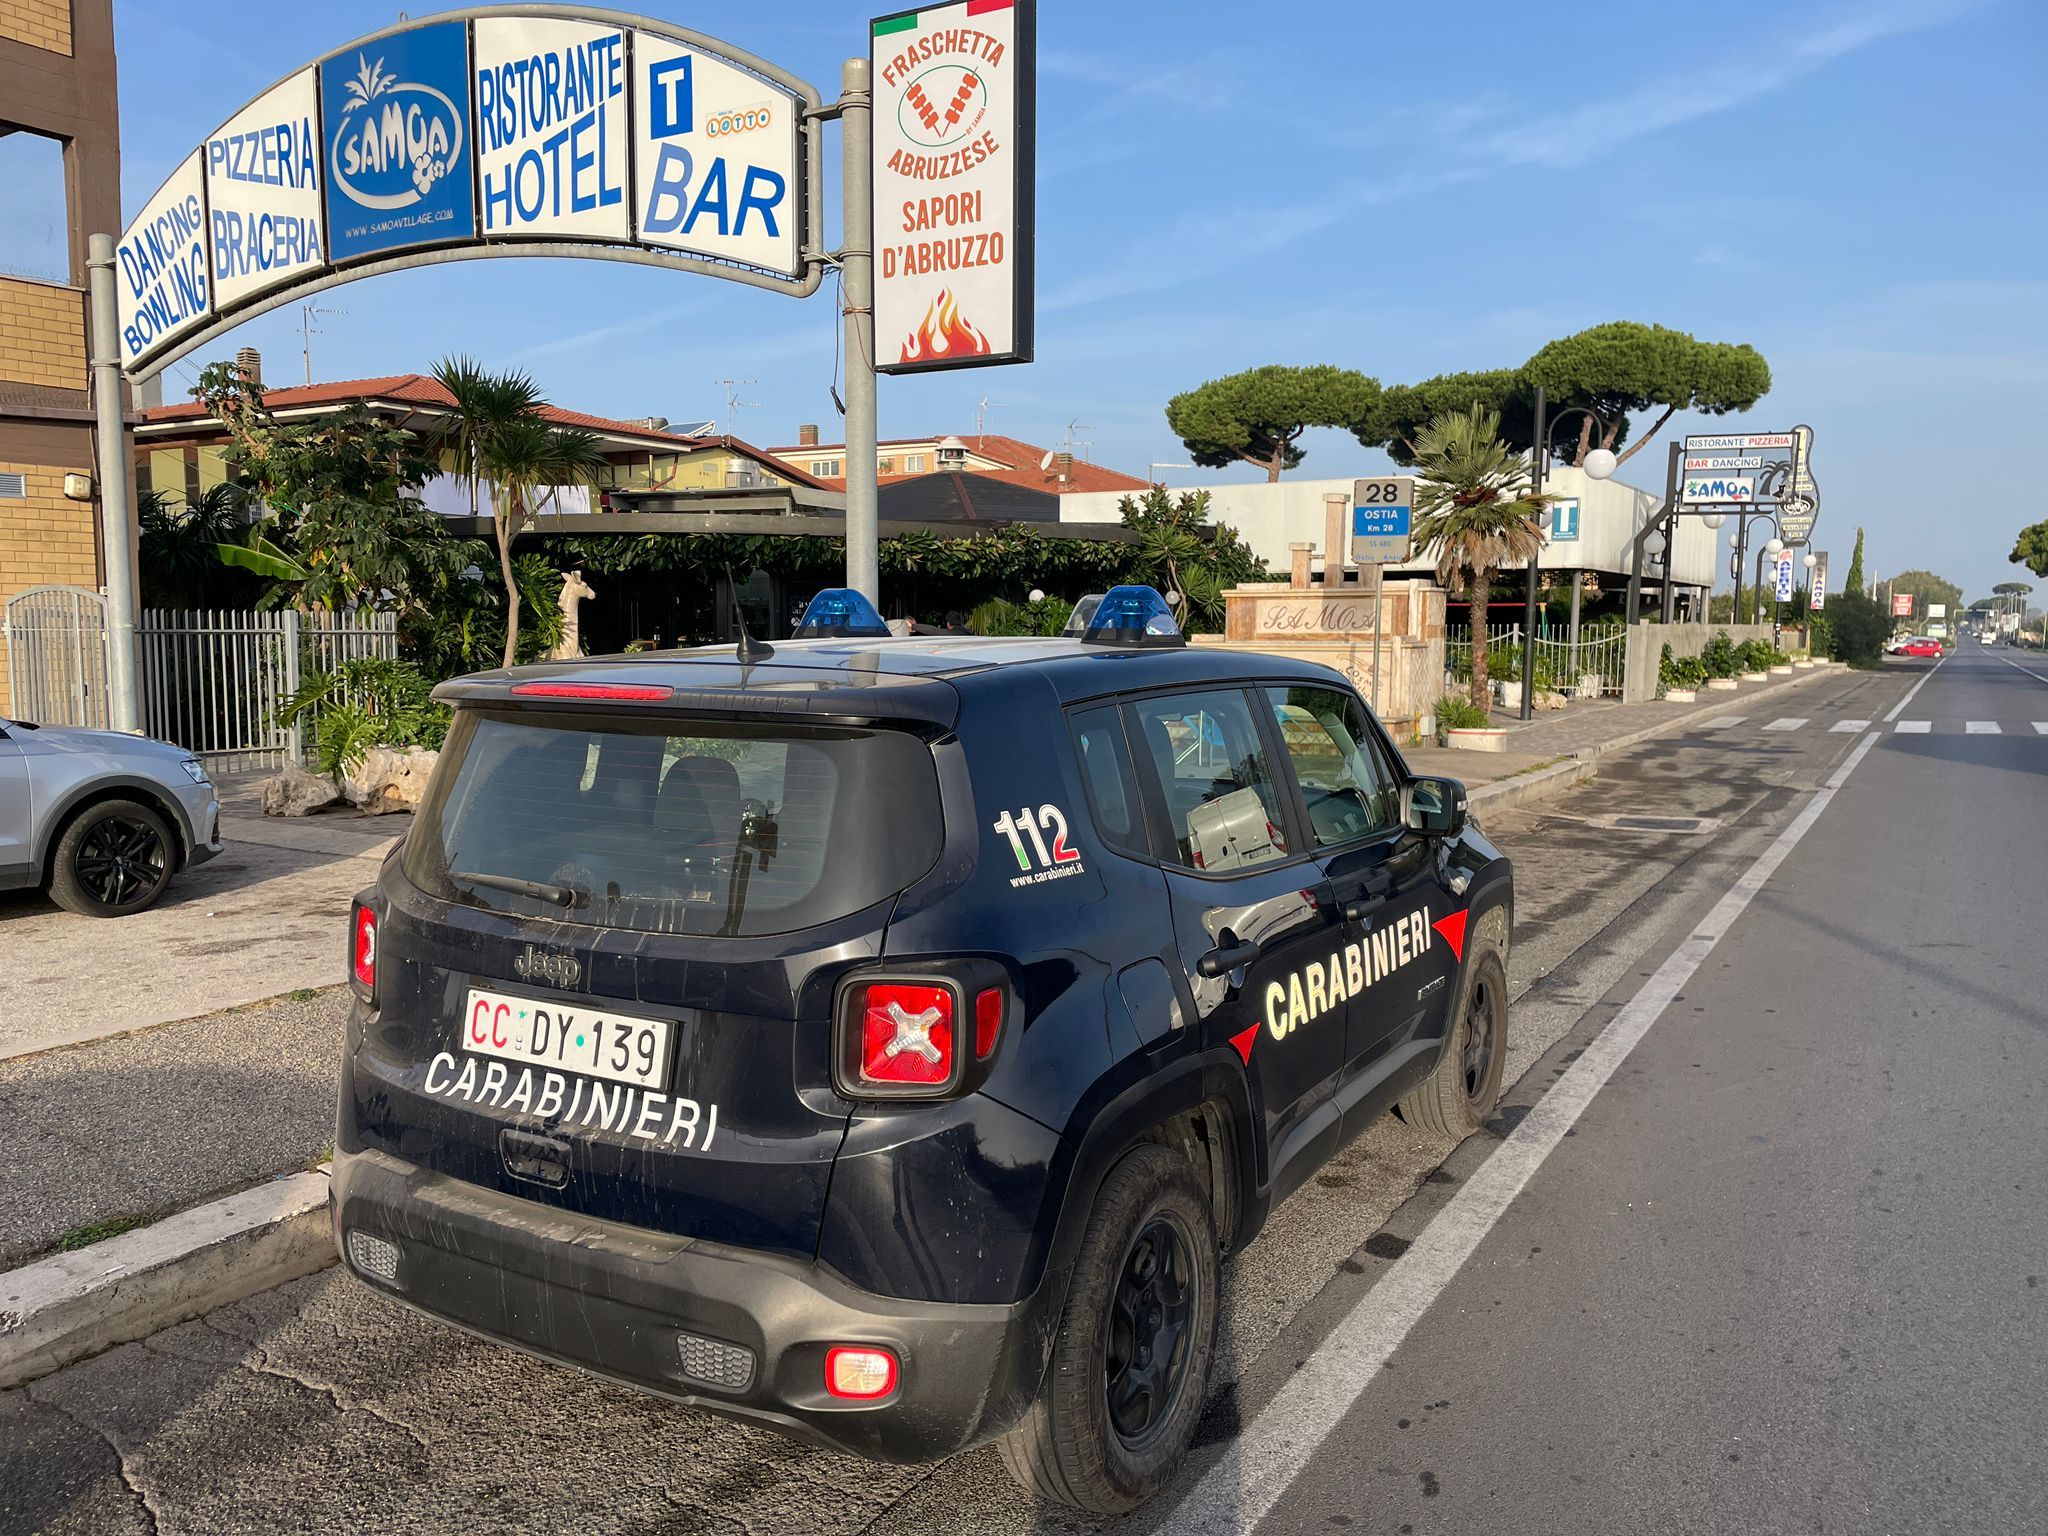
x=544 y=965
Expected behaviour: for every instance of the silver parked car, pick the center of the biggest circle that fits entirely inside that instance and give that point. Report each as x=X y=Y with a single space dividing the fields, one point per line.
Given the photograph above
x=99 y=819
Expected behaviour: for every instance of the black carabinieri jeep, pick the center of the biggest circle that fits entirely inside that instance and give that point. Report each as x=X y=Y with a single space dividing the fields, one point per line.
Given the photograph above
x=883 y=1039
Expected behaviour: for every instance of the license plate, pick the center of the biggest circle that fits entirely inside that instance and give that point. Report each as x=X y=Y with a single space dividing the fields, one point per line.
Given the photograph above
x=583 y=1038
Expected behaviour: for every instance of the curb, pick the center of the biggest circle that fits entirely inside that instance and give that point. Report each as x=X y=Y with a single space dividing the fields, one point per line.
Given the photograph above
x=70 y=1305
x=1580 y=766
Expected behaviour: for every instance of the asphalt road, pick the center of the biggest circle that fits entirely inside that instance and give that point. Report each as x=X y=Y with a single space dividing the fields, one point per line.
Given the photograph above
x=1597 y=1383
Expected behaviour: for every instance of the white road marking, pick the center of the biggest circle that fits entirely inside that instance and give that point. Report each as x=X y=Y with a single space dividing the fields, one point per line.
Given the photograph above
x=1719 y=721
x=1982 y=728
x=1841 y=726
x=1242 y=1488
x=2036 y=676
x=1915 y=727
x=1899 y=708
x=2041 y=727
x=1786 y=723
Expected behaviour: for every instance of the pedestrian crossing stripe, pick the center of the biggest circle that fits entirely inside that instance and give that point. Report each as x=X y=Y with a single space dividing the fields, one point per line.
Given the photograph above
x=1982 y=728
x=1915 y=727
x=1842 y=726
x=1788 y=723
x=1722 y=720
x=2041 y=727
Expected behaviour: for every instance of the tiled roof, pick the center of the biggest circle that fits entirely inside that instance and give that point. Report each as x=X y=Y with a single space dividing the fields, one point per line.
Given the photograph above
x=1019 y=461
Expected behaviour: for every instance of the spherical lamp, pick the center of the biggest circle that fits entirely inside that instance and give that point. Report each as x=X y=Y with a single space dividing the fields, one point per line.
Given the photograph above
x=1812 y=561
x=1600 y=464
x=1775 y=548
x=1037 y=595
x=1714 y=520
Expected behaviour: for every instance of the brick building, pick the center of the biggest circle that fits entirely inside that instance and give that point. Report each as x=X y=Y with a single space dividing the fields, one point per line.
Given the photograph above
x=57 y=82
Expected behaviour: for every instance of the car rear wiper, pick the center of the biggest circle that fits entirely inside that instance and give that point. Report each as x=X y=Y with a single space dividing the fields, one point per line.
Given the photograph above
x=539 y=890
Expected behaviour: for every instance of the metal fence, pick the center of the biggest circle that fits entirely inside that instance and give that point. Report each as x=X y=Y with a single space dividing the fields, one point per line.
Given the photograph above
x=1602 y=655
x=211 y=680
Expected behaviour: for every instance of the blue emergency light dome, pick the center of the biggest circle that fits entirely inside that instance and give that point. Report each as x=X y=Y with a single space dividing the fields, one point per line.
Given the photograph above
x=1131 y=616
x=841 y=613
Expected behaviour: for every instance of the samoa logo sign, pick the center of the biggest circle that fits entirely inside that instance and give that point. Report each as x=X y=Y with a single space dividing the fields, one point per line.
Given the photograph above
x=396 y=138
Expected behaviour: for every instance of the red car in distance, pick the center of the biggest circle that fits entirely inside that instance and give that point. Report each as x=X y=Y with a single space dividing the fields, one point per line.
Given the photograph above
x=1921 y=646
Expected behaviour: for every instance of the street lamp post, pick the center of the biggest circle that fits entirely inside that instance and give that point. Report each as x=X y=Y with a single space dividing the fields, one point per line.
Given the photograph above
x=1740 y=540
x=1599 y=465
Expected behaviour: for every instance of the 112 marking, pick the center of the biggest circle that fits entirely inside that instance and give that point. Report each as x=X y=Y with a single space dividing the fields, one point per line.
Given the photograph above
x=1047 y=818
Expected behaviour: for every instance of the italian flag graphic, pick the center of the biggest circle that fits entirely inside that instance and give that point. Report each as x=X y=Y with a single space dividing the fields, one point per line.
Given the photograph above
x=910 y=23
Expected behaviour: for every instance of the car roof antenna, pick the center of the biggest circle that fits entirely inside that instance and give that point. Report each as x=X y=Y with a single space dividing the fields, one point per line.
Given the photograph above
x=749 y=649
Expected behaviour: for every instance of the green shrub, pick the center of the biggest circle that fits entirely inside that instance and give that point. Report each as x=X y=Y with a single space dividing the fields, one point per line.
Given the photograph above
x=1857 y=629
x=1455 y=712
x=1753 y=655
x=365 y=703
x=1719 y=657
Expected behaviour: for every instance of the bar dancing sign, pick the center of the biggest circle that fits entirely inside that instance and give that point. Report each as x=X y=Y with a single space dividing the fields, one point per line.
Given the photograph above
x=954 y=165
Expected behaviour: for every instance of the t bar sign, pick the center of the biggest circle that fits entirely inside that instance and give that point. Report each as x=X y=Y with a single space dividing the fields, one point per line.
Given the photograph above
x=1381 y=512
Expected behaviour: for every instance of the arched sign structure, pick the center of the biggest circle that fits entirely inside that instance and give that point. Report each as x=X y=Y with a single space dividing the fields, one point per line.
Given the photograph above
x=515 y=130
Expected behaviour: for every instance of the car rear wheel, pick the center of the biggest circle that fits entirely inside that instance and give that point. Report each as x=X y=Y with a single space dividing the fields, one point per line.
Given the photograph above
x=113 y=859
x=1460 y=1095
x=1130 y=1364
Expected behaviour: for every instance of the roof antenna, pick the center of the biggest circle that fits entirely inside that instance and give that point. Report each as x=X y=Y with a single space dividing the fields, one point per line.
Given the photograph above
x=749 y=649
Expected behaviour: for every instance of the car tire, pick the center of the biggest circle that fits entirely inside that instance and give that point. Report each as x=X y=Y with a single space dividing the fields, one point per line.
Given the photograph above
x=113 y=859
x=1459 y=1096
x=1073 y=1447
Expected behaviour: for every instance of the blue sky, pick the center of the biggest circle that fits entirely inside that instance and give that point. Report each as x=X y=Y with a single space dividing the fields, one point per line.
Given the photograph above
x=1854 y=188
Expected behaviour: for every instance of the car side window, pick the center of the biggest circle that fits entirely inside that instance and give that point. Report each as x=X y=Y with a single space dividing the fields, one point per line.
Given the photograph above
x=1204 y=754
x=1106 y=774
x=1348 y=792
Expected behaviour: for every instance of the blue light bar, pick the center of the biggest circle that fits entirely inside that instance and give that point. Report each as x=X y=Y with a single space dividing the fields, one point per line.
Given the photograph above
x=1132 y=616
x=840 y=613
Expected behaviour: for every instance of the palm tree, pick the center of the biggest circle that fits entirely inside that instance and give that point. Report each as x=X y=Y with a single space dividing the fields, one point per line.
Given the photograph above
x=526 y=462
x=485 y=402
x=1473 y=506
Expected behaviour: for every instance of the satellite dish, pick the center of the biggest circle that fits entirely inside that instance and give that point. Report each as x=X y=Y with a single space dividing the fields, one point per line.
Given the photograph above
x=1046 y=462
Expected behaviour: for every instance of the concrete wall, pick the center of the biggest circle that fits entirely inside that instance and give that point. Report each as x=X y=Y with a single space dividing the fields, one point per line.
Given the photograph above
x=1270 y=517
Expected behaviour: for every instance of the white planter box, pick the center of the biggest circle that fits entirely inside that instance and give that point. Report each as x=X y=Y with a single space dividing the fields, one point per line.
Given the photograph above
x=1681 y=695
x=1802 y=666
x=1784 y=671
x=1509 y=695
x=1722 y=684
x=1589 y=685
x=1484 y=738
x=1756 y=677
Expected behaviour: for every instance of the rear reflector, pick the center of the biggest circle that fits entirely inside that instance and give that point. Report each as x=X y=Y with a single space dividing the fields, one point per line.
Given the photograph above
x=362 y=952
x=642 y=693
x=862 y=1374
x=988 y=1021
x=374 y=1257
x=906 y=1033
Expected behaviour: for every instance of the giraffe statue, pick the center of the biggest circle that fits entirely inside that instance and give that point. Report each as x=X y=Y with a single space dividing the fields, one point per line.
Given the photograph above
x=574 y=590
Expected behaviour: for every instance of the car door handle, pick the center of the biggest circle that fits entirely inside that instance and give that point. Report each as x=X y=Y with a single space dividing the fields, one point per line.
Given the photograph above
x=1359 y=911
x=1226 y=958
x=1376 y=888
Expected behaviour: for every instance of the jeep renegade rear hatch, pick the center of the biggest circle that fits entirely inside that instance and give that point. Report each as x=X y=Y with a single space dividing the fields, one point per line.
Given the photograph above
x=603 y=967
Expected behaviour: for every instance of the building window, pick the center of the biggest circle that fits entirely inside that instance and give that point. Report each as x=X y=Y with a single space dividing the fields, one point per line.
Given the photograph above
x=914 y=464
x=35 y=242
x=828 y=468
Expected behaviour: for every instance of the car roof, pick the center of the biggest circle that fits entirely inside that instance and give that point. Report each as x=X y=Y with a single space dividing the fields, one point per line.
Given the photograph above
x=902 y=676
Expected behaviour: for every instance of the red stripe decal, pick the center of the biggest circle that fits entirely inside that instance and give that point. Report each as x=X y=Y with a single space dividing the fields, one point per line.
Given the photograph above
x=1453 y=930
x=983 y=7
x=1244 y=1041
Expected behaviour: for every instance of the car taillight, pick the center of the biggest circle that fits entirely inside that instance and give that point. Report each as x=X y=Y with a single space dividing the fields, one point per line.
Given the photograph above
x=907 y=1034
x=642 y=693
x=861 y=1374
x=362 y=951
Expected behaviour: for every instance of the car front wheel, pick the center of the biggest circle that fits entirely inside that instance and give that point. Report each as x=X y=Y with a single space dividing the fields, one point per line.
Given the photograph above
x=113 y=859
x=1130 y=1365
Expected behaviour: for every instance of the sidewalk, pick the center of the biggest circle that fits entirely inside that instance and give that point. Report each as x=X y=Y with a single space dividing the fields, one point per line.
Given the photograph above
x=1564 y=744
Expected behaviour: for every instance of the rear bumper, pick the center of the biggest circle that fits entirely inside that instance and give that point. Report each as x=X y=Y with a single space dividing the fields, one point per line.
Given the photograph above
x=618 y=1301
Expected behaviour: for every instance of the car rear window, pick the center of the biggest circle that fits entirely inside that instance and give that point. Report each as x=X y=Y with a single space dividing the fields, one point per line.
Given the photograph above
x=668 y=826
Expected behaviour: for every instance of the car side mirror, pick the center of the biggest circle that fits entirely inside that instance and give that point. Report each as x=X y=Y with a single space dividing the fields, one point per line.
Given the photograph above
x=1434 y=807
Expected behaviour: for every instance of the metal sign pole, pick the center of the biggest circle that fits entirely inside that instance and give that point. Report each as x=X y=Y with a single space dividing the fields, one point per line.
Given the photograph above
x=1379 y=631
x=115 y=471
x=857 y=274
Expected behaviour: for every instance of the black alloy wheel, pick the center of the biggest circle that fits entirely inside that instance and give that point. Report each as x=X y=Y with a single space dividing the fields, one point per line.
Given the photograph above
x=120 y=859
x=113 y=859
x=1485 y=1020
x=1150 y=1330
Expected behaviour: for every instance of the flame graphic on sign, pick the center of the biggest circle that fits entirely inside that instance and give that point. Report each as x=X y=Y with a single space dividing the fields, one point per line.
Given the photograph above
x=943 y=334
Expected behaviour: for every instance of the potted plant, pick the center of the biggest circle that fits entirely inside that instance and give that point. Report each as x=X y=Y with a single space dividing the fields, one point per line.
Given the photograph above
x=1464 y=725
